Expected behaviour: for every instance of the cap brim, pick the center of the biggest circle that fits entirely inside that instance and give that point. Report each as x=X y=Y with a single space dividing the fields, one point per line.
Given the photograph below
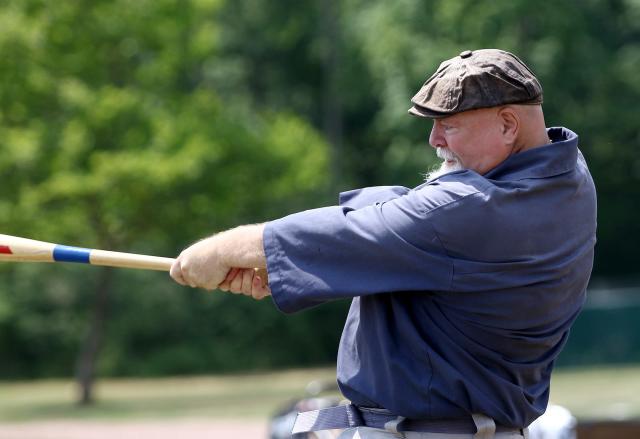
x=419 y=111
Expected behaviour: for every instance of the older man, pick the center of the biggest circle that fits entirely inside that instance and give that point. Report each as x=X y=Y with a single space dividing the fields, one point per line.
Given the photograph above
x=464 y=288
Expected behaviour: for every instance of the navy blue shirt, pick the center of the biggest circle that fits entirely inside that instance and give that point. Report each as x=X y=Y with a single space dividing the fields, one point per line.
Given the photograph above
x=463 y=288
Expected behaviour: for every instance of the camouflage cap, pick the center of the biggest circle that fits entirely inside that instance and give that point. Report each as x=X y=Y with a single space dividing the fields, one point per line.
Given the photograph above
x=476 y=79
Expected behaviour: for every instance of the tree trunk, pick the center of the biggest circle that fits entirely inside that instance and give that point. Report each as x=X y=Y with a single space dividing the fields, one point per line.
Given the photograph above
x=88 y=356
x=332 y=99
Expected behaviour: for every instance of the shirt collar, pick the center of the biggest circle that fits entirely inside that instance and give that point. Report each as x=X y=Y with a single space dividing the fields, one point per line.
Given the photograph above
x=558 y=157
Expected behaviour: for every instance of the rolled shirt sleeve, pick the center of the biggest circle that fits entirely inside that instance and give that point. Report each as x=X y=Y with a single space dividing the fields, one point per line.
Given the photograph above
x=355 y=249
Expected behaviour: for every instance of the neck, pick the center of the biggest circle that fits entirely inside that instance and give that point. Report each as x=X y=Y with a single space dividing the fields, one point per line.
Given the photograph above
x=534 y=131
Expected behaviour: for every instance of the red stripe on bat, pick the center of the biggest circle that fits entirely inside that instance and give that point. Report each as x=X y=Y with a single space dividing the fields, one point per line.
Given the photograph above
x=5 y=249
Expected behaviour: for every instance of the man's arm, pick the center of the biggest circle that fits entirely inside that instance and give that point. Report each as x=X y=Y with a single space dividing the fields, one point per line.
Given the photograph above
x=208 y=263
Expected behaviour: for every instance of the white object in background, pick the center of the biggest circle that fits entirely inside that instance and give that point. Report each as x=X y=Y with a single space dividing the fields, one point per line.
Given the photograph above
x=556 y=423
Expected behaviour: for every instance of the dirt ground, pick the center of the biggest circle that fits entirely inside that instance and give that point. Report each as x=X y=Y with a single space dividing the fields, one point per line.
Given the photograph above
x=182 y=429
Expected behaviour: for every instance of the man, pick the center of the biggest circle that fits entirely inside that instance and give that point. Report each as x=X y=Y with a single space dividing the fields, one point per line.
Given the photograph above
x=464 y=288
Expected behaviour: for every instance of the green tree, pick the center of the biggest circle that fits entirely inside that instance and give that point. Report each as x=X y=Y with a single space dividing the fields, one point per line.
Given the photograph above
x=114 y=138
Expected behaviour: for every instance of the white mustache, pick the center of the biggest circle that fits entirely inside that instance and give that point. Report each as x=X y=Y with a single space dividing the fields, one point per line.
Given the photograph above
x=451 y=162
x=446 y=154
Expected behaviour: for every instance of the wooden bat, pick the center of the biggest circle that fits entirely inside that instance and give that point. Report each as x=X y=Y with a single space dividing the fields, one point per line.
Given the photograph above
x=13 y=248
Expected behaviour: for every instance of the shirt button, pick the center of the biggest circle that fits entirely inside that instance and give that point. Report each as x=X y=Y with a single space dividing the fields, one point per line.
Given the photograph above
x=466 y=54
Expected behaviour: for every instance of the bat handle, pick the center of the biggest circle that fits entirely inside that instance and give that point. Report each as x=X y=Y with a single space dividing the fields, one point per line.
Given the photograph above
x=130 y=260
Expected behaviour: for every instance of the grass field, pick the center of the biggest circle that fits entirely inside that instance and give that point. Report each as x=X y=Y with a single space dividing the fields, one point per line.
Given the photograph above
x=598 y=393
x=607 y=392
x=226 y=396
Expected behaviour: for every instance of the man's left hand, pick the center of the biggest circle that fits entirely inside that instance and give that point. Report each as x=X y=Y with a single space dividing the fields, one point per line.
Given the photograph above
x=199 y=266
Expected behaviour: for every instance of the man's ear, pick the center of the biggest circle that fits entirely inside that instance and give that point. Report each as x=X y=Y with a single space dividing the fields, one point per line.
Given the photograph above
x=509 y=123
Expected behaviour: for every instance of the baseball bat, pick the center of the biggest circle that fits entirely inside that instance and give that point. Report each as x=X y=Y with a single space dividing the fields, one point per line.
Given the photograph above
x=13 y=248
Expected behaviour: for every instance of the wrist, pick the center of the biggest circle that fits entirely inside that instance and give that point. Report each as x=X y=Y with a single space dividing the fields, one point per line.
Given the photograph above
x=240 y=247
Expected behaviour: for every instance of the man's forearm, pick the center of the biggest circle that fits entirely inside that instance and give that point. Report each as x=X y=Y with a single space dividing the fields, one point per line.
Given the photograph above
x=241 y=247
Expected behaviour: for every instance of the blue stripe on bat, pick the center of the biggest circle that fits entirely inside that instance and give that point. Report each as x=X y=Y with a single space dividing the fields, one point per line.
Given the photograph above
x=64 y=253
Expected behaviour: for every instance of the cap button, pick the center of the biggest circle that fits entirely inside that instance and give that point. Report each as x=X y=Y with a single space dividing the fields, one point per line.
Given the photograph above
x=466 y=54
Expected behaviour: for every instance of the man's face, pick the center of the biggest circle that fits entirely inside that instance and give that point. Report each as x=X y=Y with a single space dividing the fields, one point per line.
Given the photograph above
x=470 y=140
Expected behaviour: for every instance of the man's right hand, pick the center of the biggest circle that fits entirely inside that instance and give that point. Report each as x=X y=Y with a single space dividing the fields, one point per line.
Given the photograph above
x=248 y=281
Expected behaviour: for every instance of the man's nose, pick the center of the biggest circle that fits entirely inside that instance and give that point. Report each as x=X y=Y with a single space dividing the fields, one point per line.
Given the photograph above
x=435 y=138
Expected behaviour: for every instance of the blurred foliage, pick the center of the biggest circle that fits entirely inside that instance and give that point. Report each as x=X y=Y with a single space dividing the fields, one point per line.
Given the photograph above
x=143 y=126
x=113 y=138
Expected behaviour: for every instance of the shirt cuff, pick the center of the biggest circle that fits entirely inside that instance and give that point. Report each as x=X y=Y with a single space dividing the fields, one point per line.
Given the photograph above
x=274 y=253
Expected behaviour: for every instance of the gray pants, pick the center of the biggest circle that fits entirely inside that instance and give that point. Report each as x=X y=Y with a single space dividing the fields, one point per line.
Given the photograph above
x=376 y=433
x=485 y=426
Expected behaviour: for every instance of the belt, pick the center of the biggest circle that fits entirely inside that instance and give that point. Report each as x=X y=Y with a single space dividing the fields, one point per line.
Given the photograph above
x=350 y=415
